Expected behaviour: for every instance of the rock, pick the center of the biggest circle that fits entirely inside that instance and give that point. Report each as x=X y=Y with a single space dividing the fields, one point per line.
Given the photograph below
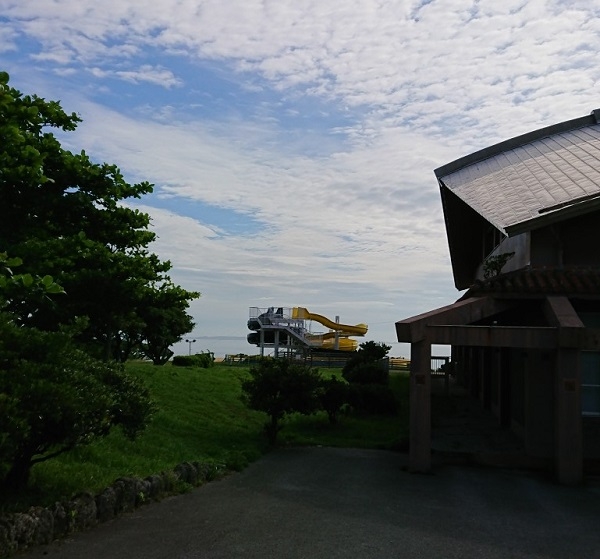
x=187 y=473
x=125 y=491
x=61 y=520
x=82 y=512
x=106 y=505
x=8 y=542
x=155 y=486
x=44 y=522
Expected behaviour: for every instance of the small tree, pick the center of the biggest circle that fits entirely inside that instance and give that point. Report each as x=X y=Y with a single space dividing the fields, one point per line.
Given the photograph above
x=279 y=387
x=365 y=367
x=165 y=320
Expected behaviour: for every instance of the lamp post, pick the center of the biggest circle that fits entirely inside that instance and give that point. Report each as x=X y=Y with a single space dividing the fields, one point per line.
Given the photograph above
x=190 y=342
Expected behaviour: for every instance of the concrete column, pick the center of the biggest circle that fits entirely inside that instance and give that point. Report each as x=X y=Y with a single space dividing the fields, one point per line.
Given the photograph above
x=419 y=459
x=567 y=418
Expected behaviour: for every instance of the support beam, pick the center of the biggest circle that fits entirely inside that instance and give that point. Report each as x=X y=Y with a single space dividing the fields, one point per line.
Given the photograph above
x=462 y=312
x=540 y=337
x=262 y=342
x=419 y=458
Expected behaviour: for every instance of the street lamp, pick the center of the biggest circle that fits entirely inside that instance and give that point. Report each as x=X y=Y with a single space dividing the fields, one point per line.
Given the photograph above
x=190 y=342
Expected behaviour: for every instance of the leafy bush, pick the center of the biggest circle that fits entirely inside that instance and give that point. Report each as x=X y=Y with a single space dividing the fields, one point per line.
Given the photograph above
x=279 y=387
x=372 y=398
x=368 y=375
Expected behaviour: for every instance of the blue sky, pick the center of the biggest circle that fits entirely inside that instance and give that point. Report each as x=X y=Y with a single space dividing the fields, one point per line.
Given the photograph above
x=292 y=144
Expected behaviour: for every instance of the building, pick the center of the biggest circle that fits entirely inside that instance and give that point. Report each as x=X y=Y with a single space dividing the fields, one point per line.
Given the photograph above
x=523 y=225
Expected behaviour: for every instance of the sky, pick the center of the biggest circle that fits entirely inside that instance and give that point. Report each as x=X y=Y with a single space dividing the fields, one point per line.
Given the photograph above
x=292 y=144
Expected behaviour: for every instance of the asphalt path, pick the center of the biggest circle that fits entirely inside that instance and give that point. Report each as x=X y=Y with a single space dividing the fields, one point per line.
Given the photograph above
x=323 y=503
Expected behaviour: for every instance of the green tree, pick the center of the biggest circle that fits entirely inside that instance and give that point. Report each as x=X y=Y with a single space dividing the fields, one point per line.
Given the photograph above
x=69 y=217
x=279 y=387
x=85 y=272
x=366 y=365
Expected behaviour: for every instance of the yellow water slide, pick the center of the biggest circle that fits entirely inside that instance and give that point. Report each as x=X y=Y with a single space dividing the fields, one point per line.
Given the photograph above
x=328 y=341
x=343 y=329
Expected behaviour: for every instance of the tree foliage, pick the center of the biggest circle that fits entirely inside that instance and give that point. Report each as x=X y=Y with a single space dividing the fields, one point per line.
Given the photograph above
x=69 y=217
x=164 y=320
x=87 y=293
x=54 y=397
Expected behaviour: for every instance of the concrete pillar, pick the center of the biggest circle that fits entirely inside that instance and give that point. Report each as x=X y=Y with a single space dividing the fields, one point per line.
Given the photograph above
x=567 y=418
x=419 y=458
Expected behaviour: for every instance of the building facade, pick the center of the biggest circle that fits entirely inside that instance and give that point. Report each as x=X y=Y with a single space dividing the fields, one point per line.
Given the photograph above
x=523 y=225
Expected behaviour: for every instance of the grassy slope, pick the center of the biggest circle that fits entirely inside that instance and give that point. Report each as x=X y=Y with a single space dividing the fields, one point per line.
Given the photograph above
x=201 y=417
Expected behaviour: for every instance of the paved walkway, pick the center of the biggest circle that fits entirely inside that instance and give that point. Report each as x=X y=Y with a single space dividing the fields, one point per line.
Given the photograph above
x=322 y=503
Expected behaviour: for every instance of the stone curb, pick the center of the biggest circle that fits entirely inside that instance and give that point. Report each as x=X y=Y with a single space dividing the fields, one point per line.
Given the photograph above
x=42 y=525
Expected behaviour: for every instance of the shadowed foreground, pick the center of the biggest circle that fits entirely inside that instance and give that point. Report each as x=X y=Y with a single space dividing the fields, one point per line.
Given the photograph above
x=327 y=503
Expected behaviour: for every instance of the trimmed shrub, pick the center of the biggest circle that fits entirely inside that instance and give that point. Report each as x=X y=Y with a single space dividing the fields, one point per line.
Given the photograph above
x=204 y=360
x=333 y=395
x=373 y=399
x=184 y=361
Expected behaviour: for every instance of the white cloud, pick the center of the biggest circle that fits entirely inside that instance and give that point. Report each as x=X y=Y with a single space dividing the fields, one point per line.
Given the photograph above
x=350 y=208
x=146 y=73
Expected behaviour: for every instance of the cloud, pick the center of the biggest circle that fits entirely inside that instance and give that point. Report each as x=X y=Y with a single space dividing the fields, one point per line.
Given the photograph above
x=145 y=73
x=321 y=124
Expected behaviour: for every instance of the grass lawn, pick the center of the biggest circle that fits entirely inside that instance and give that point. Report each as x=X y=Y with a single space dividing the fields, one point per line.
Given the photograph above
x=201 y=417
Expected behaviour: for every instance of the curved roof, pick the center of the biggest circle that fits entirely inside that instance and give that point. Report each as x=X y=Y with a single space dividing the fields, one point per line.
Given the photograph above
x=533 y=179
